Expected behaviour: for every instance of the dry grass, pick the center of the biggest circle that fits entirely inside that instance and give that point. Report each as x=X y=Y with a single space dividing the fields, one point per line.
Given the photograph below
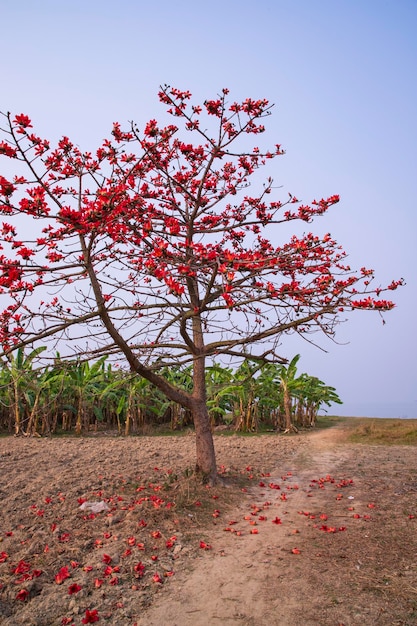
x=382 y=431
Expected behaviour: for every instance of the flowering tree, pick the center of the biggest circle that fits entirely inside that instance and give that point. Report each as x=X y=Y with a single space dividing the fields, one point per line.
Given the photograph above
x=153 y=248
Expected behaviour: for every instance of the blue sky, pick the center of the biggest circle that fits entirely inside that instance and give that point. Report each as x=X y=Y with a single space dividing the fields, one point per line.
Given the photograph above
x=342 y=77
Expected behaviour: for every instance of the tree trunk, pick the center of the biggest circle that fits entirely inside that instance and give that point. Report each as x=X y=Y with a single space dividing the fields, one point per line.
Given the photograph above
x=206 y=457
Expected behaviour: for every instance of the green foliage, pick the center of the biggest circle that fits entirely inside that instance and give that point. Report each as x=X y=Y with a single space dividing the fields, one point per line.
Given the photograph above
x=80 y=396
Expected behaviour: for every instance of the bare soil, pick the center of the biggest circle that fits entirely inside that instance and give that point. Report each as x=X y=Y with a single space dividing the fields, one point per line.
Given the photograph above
x=309 y=530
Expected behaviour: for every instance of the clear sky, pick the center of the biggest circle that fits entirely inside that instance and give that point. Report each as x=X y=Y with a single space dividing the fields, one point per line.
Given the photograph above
x=343 y=76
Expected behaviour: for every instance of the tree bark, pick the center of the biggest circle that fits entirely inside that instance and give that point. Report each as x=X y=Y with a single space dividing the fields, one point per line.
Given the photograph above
x=205 y=453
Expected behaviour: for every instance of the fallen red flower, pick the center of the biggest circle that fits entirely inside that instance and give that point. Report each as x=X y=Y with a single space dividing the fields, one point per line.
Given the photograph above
x=139 y=569
x=74 y=588
x=22 y=567
x=22 y=595
x=90 y=617
x=62 y=575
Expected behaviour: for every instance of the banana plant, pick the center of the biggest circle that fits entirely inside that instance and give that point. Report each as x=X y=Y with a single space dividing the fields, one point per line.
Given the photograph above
x=314 y=394
x=21 y=377
x=290 y=385
x=84 y=378
x=220 y=392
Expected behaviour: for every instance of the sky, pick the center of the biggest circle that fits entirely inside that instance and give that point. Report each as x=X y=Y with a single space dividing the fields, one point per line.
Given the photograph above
x=342 y=76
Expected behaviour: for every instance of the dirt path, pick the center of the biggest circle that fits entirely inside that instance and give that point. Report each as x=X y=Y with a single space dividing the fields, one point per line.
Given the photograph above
x=254 y=579
x=294 y=572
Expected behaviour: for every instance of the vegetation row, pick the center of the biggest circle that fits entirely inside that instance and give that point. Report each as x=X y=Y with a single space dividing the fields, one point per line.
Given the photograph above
x=77 y=397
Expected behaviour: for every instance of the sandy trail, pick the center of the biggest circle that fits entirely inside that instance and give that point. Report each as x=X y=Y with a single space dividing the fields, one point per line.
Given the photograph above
x=255 y=578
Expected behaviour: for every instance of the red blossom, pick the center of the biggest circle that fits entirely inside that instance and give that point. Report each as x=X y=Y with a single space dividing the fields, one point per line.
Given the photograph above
x=74 y=588
x=22 y=567
x=90 y=616
x=62 y=575
x=7 y=150
x=22 y=595
x=139 y=569
x=157 y=579
x=23 y=121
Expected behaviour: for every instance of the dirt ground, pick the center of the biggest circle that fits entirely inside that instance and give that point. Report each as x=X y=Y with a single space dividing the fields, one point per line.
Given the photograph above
x=311 y=530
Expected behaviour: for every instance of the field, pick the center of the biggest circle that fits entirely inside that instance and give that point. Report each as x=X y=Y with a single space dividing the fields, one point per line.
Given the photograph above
x=318 y=528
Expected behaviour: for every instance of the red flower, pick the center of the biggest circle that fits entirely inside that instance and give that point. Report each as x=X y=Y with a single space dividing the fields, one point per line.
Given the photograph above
x=139 y=569
x=156 y=534
x=23 y=120
x=22 y=595
x=74 y=589
x=90 y=617
x=276 y=521
x=62 y=575
x=7 y=150
x=22 y=567
x=64 y=537
x=205 y=546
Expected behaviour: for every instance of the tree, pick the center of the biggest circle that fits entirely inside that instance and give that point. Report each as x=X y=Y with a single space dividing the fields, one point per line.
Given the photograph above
x=153 y=249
